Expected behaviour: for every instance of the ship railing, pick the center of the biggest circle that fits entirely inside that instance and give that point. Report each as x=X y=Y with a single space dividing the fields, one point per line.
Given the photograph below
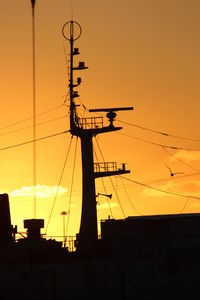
x=68 y=242
x=105 y=167
x=90 y=123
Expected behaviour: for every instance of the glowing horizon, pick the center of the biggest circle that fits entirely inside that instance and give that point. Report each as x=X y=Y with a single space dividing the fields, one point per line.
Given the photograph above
x=149 y=59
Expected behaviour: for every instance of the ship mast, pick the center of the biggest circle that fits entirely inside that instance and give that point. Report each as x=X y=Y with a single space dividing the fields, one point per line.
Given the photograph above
x=86 y=129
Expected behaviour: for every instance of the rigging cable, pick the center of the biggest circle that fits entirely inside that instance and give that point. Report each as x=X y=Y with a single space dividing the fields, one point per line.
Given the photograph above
x=84 y=107
x=178 y=159
x=181 y=211
x=34 y=107
x=139 y=213
x=157 y=144
x=72 y=181
x=27 y=127
x=30 y=118
x=59 y=183
x=68 y=73
x=161 y=190
x=186 y=202
x=173 y=178
x=159 y=132
x=66 y=59
x=104 y=188
x=112 y=182
x=31 y=141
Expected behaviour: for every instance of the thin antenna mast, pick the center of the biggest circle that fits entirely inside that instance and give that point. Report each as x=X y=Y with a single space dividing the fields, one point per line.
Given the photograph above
x=34 y=108
x=72 y=35
x=72 y=10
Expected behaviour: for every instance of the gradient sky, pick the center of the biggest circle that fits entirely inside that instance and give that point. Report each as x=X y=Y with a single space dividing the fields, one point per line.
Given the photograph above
x=140 y=53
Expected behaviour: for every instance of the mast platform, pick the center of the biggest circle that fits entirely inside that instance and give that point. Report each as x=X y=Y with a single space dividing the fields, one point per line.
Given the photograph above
x=106 y=169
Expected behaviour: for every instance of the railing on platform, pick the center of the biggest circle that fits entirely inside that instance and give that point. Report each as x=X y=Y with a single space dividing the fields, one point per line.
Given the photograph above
x=68 y=242
x=90 y=123
x=105 y=167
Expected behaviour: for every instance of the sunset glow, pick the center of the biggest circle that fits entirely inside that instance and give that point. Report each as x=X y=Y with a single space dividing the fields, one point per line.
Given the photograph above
x=143 y=54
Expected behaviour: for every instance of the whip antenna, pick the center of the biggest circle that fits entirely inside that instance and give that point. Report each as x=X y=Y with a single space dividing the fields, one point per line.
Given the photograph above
x=34 y=108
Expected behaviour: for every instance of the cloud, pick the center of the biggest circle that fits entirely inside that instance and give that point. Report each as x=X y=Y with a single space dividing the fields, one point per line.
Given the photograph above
x=106 y=206
x=185 y=187
x=153 y=191
x=190 y=186
x=42 y=191
x=187 y=156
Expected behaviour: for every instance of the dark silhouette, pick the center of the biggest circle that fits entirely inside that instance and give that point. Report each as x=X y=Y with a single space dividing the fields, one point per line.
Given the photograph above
x=145 y=257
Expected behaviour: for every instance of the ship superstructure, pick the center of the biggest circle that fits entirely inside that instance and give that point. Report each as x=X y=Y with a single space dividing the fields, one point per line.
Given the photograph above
x=86 y=129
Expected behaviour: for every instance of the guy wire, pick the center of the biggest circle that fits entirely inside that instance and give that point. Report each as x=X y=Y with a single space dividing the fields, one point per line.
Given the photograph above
x=72 y=181
x=34 y=108
x=60 y=180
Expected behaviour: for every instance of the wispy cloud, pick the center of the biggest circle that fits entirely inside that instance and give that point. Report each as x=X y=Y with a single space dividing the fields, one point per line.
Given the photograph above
x=107 y=206
x=187 y=156
x=42 y=191
x=190 y=188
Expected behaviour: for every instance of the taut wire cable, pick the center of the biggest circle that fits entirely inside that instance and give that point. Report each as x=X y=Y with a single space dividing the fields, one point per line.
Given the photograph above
x=159 y=132
x=161 y=190
x=112 y=183
x=34 y=108
x=72 y=181
x=31 y=141
x=60 y=180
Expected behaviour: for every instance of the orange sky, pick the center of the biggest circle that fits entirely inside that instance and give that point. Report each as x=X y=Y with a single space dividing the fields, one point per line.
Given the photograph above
x=139 y=53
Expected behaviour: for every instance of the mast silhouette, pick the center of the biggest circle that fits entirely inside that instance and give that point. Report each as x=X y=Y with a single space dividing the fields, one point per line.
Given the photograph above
x=86 y=129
